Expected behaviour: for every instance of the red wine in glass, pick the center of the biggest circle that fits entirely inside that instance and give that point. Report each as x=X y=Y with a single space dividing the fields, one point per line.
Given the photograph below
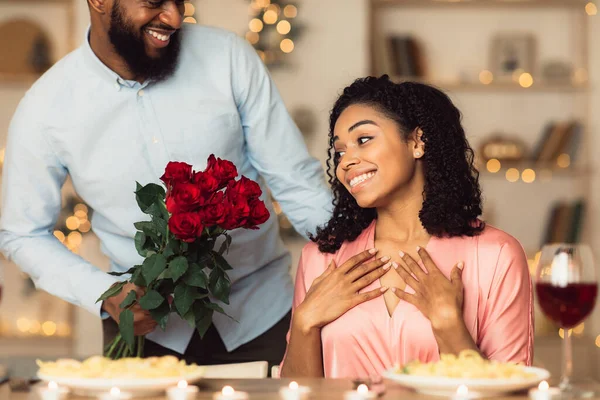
x=569 y=305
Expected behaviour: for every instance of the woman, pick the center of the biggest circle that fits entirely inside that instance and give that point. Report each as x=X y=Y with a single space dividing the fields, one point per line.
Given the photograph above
x=407 y=196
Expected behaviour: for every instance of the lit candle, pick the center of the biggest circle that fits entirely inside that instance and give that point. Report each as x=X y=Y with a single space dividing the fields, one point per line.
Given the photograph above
x=462 y=393
x=53 y=391
x=294 y=392
x=182 y=391
x=115 y=394
x=544 y=392
x=362 y=392
x=227 y=393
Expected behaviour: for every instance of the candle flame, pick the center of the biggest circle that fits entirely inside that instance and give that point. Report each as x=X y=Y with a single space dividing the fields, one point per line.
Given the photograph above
x=294 y=385
x=227 y=391
x=182 y=384
x=362 y=389
x=115 y=391
x=52 y=385
x=462 y=390
x=543 y=385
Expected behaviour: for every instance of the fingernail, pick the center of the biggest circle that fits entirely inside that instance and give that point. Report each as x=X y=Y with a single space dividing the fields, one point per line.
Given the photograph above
x=393 y=289
x=395 y=264
x=401 y=253
x=418 y=248
x=383 y=289
x=373 y=251
x=461 y=265
x=387 y=266
x=385 y=258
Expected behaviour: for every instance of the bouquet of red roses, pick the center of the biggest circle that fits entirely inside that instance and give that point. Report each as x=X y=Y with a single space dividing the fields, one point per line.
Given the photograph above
x=182 y=266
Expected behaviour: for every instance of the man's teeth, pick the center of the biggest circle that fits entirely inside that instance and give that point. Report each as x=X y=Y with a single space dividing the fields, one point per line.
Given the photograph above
x=157 y=35
x=361 y=178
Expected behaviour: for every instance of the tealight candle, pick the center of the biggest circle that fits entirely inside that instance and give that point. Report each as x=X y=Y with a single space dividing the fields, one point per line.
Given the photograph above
x=294 y=392
x=362 y=392
x=115 y=394
x=544 y=392
x=182 y=391
x=227 y=393
x=53 y=391
x=462 y=393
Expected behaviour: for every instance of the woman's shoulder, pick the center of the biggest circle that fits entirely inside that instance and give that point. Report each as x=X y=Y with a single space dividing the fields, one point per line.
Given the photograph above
x=498 y=239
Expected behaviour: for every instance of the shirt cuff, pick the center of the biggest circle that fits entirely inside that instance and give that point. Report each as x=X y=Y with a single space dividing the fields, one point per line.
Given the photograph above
x=99 y=284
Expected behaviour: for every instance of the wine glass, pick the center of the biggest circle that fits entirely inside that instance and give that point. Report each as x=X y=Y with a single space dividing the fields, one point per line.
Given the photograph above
x=566 y=290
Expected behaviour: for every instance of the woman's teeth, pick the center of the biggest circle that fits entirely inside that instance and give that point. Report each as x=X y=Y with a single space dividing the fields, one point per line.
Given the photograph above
x=361 y=178
x=157 y=35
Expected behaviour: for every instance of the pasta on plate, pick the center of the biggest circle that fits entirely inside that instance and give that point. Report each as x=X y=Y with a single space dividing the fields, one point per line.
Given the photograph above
x=105 y=368
x=468 y=365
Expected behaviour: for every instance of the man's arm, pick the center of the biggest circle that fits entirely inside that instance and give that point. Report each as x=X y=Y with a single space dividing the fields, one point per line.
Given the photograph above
x=275 y=145
x=31 y=201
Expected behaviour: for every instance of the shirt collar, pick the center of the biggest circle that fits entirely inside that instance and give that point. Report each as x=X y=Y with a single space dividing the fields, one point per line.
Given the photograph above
x=99 y=68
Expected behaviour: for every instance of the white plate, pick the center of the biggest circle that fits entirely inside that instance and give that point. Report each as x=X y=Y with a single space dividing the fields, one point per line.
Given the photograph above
x=440 y=386
x=137 y=387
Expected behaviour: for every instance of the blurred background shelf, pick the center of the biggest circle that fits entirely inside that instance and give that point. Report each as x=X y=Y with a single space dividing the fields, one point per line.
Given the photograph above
x=499 y=86
x=481 y=3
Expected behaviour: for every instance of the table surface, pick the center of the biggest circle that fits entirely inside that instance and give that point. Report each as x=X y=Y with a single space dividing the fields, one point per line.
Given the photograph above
x=267 y=389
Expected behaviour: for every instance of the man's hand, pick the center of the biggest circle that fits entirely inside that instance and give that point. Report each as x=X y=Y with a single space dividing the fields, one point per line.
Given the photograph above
x=142 y=320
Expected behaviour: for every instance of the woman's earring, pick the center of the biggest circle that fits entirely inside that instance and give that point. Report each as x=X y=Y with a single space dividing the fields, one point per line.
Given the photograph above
x=418 y=154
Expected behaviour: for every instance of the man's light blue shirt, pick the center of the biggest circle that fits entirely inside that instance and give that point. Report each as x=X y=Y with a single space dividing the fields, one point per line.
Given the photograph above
x=82 y=119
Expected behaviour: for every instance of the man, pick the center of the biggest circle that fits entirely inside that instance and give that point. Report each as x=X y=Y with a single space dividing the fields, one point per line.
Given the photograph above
x=142 y=91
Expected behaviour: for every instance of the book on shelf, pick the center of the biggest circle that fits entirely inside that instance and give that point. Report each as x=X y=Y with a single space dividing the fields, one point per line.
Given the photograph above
x=399 y=56
x=558 y=138
x=565 y=222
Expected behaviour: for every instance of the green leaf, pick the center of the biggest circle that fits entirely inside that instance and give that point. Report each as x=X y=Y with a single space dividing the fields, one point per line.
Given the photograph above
x=112 y=291
x=150 y=230
x=138 y=278
x=203 y=319
x=219 y=285
x=221 y=262
x=225 y=245
x=161 y=314
x=184 y=297
x=215 y=307
x=190 y=317
x=151 y=300
x=153 y=266
x=137 y=186
x=140 y=244
x=161 y=226
x=129 y=271
x=195 y=276
x=126 y=327
x=131 y=297
x=147 y=195
x=171 y=248
x=177 y=267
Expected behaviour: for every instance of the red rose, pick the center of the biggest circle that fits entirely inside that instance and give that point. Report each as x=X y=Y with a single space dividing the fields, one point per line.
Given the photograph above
x=238 y=211
x=213 y=214
x=258 y=214
x=176 y=172
x=244 y=187
x=215 y=198
x=184 y=197
x=186 y=226
x=224 y=171
x=206 y=182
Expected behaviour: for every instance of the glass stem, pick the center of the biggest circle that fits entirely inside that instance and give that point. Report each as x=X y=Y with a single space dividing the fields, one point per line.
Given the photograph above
x=567 y=368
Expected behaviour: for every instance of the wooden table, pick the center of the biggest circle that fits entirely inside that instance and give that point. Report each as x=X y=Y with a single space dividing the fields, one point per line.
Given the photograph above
x=267 y=389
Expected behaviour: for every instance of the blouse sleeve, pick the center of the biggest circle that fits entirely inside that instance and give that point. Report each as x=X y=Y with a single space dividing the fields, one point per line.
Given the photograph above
x=506 y=330
x=300 y=287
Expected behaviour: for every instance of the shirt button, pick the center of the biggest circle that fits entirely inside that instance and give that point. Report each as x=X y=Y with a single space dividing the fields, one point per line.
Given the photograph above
x=154 y=140
x=117 y=86
x=141 y=93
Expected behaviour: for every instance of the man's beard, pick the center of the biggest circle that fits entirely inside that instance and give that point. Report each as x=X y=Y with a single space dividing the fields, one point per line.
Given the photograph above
x=130 y=45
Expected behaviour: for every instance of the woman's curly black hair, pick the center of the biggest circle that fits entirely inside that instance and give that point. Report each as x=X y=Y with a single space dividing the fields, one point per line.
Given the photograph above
x=451 y=196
